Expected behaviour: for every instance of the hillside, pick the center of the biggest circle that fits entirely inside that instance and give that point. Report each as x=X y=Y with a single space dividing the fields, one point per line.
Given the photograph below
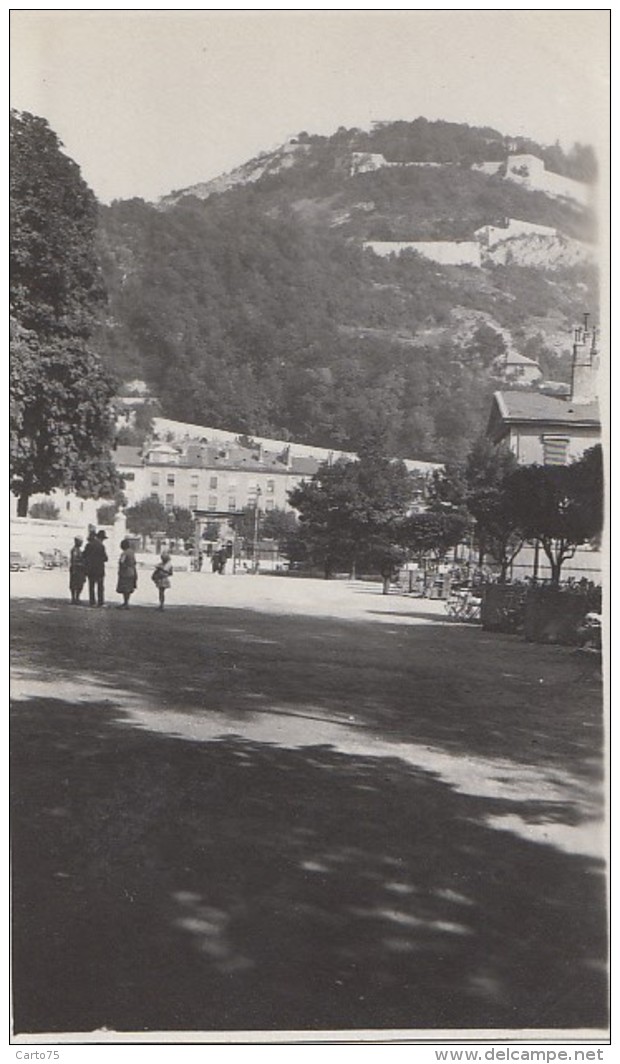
x=279 y=300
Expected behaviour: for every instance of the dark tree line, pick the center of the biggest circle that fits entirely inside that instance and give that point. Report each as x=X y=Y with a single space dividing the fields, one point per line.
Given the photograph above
x=360 y=514
x=258 y=309
x=257 y=321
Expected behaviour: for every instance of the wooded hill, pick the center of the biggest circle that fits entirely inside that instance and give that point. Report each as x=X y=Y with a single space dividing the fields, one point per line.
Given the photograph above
x=258 y=309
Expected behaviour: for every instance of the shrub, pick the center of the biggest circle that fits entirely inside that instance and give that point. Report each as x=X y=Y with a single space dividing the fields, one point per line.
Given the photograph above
x=45 y=509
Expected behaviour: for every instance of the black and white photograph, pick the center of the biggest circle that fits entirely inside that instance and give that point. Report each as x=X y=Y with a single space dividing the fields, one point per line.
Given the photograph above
x=309 y=537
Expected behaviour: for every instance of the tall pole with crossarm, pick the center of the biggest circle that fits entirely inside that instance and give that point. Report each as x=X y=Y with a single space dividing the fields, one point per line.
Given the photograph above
x=256 y=525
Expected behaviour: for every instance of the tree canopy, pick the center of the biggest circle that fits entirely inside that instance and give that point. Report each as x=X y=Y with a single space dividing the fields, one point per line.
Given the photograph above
x=61 y=426
x=560 y=506
x=147 y=517
x=498 y=521
x=350 y=511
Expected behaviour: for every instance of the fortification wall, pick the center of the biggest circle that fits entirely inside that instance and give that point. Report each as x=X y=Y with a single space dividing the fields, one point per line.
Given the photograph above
x=443 y=252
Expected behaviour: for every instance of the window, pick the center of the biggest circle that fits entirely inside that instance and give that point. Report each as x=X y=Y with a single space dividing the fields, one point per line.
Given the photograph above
x=269 y=504
x=154 y=480
x=555 y=450
x=155 y=496
x=212 y=502
x=271 y=486
x=213 y=483
x=68 y=504
x=170 y=480
x=232 y=502
x=194 y=480
x=193 y=502
x=128 y=476
x=169 y=502
x=81 y=507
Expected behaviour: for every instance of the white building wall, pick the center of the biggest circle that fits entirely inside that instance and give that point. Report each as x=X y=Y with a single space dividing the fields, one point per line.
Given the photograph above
x=530 y=171
x=443 y=252
x=488 y=168
x=527 y=444
x=494 y=234
x=71 y=507
x=185 y=432
x=209 y=489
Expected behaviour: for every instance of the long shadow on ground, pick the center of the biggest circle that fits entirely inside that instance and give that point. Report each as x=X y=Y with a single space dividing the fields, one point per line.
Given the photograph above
x=169 y=884
x=456 y=686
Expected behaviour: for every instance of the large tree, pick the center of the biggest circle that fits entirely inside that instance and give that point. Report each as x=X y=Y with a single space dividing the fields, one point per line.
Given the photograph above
x=433 y=534
x=147 y=518
x=60 y=416
x=499 y=526
x=560 y=506
x=350 y=511
x=282 y=526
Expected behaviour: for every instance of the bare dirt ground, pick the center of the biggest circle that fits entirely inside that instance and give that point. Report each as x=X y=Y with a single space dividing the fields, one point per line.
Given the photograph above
x=285 y=804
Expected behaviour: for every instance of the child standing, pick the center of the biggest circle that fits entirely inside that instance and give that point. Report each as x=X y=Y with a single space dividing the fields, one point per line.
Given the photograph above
x=161 y=577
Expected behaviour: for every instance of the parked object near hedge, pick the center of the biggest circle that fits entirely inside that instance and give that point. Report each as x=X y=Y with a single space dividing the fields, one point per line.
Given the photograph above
x=543 y=614
x=558 y=615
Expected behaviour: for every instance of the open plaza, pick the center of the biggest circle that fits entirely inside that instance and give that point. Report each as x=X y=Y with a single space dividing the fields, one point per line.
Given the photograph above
x=296 y=804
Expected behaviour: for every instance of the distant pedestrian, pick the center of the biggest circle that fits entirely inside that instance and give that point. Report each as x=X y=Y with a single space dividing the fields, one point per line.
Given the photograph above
x=77 y=572
x=161 y=577
x=127 y=573
x=95 y=557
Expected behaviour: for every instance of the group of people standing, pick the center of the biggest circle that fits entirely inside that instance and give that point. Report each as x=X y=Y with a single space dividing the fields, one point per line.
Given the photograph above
x=88 y=564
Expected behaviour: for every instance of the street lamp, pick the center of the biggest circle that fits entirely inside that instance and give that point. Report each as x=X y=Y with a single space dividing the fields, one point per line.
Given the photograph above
x=255 y=543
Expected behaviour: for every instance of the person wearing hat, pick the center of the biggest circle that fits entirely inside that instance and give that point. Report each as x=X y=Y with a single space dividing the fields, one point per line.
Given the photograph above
x=77 y=574
x=95 y=557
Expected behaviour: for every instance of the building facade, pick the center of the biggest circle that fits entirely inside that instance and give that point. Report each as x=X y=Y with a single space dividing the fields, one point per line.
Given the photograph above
x=550 y=430
x=543 y=429
x=212 y=477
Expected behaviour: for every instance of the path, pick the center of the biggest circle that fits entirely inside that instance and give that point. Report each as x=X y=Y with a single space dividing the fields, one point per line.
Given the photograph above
x=290 y=804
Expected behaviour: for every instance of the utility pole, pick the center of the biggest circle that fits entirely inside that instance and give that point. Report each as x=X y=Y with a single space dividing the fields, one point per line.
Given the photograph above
x=256 y=529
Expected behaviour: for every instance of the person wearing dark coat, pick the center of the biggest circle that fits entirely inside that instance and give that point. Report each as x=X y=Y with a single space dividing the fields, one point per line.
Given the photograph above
x=77 y=575
x=95 y=557
x=127 y=573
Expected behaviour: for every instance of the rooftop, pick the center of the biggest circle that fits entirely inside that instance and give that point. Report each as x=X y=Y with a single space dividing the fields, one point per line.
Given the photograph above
x=511 y=407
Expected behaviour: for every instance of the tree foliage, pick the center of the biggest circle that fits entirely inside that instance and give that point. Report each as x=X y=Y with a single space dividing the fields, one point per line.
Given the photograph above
x=560 y=506
x=350 y=511
x=498 y=522
x=180 y=523
x=106 y=513
x=45 y=509
x=247 y=524
x=147 y=517
x=433 y=534
x=258 y=309
x=60 y=418
x=283 y=527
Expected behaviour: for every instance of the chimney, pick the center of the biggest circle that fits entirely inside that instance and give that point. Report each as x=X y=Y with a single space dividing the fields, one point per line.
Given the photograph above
x=586 y=364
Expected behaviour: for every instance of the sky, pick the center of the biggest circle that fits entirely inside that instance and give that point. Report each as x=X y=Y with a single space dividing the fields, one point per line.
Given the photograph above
x=150 y=101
